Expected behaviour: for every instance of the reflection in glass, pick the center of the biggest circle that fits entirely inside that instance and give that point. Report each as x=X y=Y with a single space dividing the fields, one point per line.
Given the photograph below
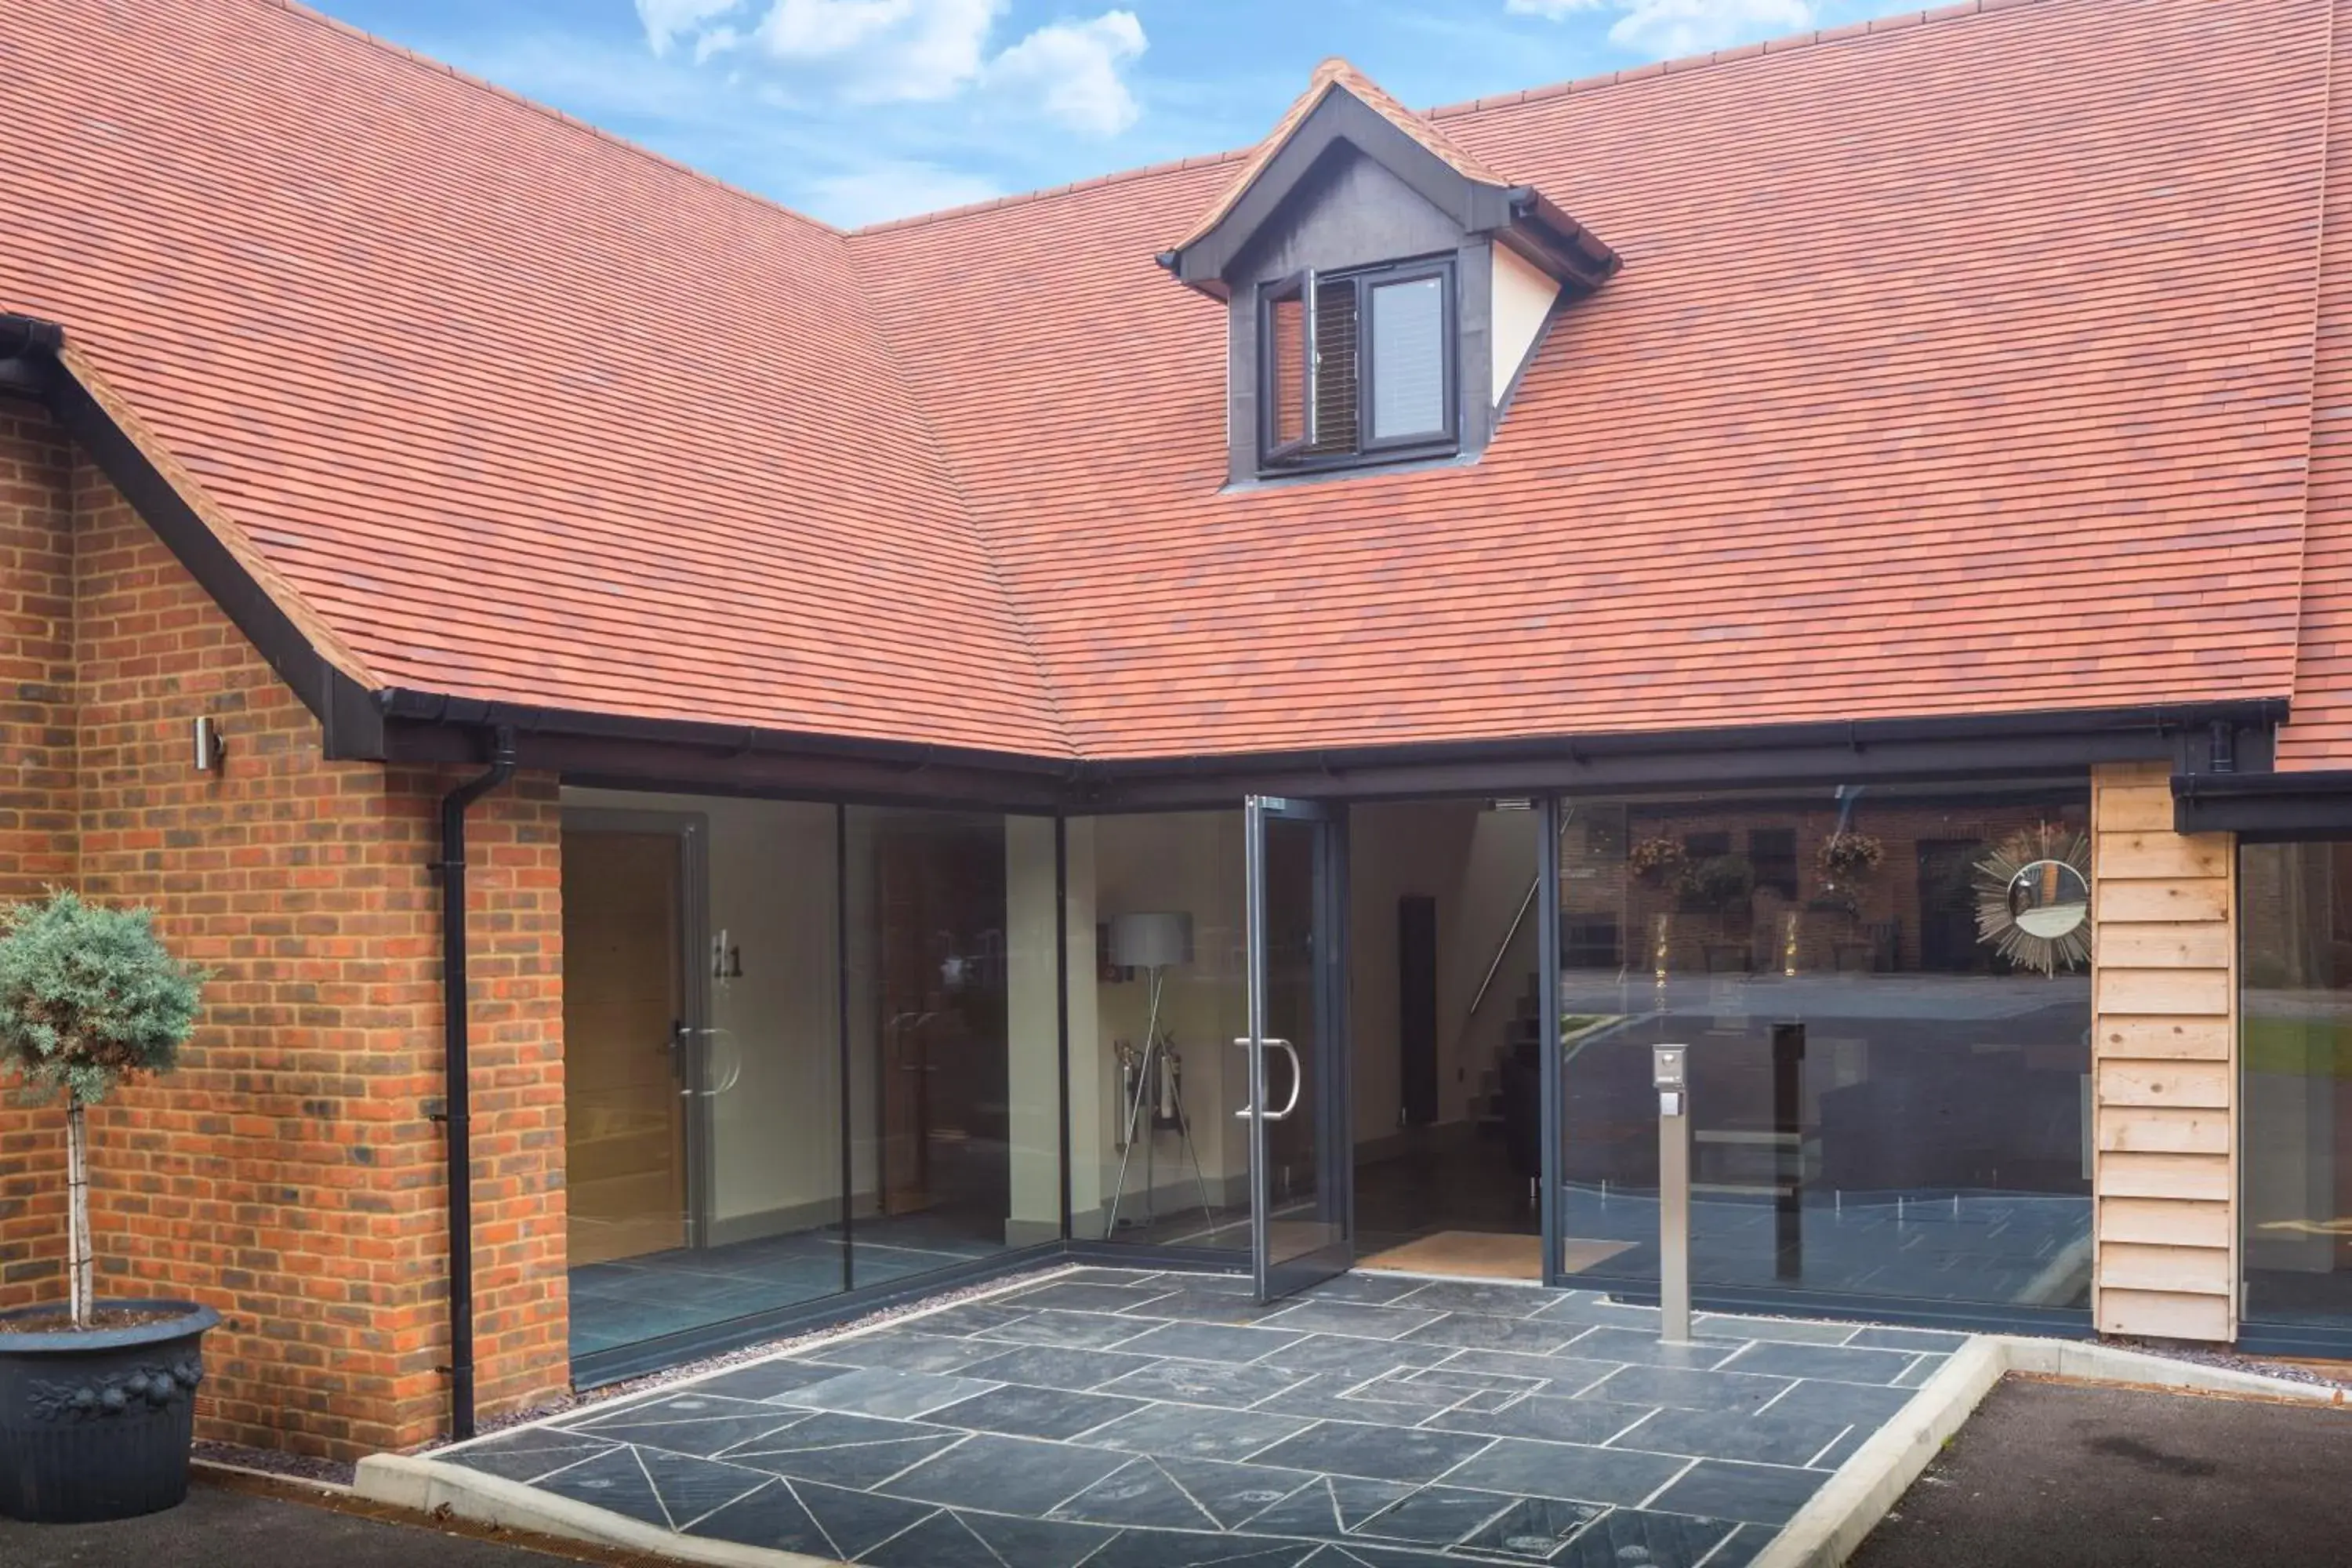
x=1884 y=1102
x=2295 y=917
x=954 y=1095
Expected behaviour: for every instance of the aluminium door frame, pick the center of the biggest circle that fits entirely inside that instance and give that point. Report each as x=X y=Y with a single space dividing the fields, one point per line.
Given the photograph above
x=1334 y=1135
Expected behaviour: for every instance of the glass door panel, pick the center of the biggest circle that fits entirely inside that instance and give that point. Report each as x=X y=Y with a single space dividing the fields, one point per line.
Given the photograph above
x=1295 y=1104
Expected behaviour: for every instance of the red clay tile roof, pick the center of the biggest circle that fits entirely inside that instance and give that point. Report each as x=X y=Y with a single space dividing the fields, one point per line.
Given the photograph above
x=1959 y=366
x=520 y=410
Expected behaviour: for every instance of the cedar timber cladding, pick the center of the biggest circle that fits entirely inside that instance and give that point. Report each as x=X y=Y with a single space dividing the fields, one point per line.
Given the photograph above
x=2164 y=1065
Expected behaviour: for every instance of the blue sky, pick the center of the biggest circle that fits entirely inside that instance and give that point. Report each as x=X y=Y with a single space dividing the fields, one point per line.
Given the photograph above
x=856 y=110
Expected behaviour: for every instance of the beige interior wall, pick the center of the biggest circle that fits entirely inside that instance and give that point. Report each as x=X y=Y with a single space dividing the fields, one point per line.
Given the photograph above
x=1188 y=861
x=1478 y=865
x=2165 y=1045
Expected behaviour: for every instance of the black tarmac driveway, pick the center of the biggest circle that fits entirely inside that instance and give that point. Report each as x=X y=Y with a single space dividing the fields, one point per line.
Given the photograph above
x=2064 y=1476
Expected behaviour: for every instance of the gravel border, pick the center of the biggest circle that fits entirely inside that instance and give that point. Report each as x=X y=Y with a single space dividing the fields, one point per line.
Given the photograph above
x=2324 y=1374
x=272 y=1462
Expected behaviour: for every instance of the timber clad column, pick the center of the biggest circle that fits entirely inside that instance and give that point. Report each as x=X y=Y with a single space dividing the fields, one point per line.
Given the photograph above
x=2164 y=1064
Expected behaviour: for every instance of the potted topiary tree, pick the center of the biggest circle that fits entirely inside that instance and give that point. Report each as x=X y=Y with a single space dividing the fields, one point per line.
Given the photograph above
x=96 y=1398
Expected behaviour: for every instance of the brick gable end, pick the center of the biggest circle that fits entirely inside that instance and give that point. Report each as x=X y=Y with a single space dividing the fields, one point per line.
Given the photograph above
x=289 y=1173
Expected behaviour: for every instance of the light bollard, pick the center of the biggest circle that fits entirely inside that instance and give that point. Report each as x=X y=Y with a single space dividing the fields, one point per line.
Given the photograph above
x=1670 y=1072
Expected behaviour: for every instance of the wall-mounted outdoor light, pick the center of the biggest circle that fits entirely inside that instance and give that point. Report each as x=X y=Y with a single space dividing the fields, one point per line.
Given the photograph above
x=211 y=749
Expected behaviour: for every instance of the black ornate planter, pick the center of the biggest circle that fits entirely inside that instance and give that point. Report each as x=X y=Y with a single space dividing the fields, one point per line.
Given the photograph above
x=96 y=1425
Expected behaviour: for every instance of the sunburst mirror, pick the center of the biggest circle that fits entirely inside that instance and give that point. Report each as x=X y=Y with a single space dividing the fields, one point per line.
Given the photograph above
x=2033 y=898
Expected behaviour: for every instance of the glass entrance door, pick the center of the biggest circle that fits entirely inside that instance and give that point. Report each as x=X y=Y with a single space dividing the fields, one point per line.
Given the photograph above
x=1294 y=1102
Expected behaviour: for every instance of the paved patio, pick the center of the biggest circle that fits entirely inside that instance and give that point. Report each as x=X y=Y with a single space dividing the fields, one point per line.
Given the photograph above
x=1127 y=1420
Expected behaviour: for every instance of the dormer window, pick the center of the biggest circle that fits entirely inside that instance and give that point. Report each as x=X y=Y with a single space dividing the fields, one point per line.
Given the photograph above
x=1382 y=287
x=1357 y=366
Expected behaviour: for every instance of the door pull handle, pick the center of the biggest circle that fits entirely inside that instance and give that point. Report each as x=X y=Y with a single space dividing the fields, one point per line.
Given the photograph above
x=1297 y=1082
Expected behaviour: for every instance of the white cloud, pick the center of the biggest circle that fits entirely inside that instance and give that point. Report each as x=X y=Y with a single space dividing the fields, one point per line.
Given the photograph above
x=1071 y=72
x=666 y=20
x=884 y=50
x=881 y=191
x=1666 y=28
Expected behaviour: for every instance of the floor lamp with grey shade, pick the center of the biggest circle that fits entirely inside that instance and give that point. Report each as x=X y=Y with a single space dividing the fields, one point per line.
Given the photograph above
x=1154 y=943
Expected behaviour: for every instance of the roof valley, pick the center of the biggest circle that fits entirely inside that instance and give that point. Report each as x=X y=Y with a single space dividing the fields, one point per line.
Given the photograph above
x=926 y=428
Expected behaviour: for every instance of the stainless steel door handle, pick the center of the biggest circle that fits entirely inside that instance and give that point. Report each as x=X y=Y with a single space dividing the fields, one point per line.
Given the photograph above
x=1298 y=1082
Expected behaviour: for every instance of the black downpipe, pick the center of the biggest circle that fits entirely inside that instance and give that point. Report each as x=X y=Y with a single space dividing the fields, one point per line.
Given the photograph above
x=457 y=1074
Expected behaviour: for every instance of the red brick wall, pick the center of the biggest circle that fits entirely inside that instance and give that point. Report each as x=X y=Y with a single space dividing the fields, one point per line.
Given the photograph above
x=289 y=1173
x=37 y=820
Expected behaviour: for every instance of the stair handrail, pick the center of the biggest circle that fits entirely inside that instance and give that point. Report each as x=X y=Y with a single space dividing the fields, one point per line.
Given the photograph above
x=1535 y=885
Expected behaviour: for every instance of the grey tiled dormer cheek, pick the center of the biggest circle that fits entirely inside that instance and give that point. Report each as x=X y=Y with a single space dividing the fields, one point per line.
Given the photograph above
x=1377 y=1422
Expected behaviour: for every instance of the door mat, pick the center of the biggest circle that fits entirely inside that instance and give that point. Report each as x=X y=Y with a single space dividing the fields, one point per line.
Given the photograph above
x=1487 y=1254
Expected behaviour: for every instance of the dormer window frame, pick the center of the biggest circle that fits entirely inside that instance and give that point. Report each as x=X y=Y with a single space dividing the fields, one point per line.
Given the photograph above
x=1285 y=449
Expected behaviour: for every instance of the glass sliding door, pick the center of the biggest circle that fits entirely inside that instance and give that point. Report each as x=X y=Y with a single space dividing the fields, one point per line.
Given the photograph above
x=1296 y=1105
x=702 y=1086
x=1159 y=1157
x=952 y=974
x=1886 y=995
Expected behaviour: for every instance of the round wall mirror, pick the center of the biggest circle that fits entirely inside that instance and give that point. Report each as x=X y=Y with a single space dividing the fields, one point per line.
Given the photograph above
x=2049 y=898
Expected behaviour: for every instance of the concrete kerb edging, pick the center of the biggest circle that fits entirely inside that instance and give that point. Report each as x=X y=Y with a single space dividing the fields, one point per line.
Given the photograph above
x=1829 y=1529
x=429 y=1487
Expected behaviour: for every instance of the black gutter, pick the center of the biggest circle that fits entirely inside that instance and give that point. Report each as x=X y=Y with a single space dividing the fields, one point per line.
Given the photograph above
x=28 y=347
x=404 y=706
x=1856 y=735
x=2315 y=804
x=456 y=1068
x=634 y=751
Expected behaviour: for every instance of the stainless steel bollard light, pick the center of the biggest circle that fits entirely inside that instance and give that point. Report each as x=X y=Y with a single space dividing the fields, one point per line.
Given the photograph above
x=1670 y=1072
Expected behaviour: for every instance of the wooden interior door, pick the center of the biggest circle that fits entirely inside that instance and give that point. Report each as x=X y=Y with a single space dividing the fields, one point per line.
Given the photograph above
x=939 y=909
x=624 y=1123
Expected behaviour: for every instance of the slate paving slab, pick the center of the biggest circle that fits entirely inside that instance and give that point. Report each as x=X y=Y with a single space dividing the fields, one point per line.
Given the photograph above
x=1006 y=1475
x=1478 y=1330
x=1213 y=1341
x=1036 y=1411
x=1139 y=1492
x=1759 y=1494
x=1055 y=1366
x=1381 y=1453
x=1550 y=1420
x=1188 y=1432
x=1203 y=1383
x=1567 y=1472
x=1133 y=1419
x=1836 y=1364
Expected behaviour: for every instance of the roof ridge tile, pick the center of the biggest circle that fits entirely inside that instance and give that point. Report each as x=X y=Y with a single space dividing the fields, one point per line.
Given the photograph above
x=1683 y=65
